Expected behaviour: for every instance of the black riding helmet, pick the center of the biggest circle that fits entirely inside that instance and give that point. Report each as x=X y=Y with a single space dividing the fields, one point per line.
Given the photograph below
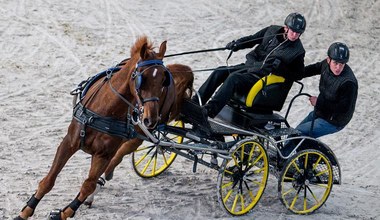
x=339 y=52
x=296 y=22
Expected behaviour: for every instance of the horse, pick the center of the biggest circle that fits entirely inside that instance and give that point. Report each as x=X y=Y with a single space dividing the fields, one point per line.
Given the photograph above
x=183 y=81
x=102 y=120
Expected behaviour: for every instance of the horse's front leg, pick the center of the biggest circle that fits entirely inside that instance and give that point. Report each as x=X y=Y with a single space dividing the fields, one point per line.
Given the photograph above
x=64 y=151
x=98 y=165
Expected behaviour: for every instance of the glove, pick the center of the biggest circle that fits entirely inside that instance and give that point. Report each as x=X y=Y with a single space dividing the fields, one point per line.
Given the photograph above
x=233 y=45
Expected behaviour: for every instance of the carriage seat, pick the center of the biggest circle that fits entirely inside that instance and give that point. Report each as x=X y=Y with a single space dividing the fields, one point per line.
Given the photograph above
x=264 y=99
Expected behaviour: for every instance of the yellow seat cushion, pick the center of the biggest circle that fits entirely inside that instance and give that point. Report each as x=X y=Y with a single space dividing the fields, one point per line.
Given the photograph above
x=258 y=86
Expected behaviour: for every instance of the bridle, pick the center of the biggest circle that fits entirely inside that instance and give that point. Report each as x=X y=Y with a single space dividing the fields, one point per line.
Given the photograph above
x=137 y=77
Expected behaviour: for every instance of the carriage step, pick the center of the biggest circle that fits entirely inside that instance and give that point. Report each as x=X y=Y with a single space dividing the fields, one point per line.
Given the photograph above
x=278 y=132
x=218 y=126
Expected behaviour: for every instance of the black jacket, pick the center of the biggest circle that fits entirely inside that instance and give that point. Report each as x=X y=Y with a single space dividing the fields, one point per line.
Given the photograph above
x=282 y=57
x=337 y=98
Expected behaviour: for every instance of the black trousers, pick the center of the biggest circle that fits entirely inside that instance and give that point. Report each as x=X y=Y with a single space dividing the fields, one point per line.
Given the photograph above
x=230 y=79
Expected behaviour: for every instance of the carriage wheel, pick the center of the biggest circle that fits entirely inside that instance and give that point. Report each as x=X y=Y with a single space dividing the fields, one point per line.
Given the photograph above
x=243 y=179
x=151 y=160
x=305 y=182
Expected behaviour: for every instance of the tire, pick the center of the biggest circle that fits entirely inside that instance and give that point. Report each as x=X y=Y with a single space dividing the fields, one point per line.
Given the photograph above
x=150 y=160
x=242 y=179
x=305 y=182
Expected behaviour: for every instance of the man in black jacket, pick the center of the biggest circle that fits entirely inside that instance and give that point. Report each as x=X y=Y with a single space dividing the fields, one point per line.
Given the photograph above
x=278 y=51
x=338 y=87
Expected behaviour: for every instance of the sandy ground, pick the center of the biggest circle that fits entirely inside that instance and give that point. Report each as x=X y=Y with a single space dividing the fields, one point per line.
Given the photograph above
x=47 y=47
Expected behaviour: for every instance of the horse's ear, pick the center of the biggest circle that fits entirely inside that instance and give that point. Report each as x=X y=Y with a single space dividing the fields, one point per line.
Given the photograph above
x=143 y=52
x=162 y=51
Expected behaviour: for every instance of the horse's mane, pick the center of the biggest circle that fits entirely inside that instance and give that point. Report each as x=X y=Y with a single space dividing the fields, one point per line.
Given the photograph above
x=135 y=50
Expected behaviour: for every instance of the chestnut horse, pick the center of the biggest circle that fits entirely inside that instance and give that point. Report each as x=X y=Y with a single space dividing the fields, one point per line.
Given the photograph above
x=101 y=120
x=183 y=83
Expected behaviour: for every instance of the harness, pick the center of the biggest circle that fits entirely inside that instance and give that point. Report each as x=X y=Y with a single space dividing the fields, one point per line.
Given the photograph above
x=109 y=125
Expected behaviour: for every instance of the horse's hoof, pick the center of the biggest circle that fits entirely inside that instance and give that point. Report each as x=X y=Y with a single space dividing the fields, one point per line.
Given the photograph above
x=55 y=214
x=109 y=176
x=18 y=218
x=88 y=204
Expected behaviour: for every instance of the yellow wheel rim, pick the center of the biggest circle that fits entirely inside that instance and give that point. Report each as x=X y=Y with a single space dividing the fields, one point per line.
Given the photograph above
x=243 y=180
x=306 y=182
x=150 y=160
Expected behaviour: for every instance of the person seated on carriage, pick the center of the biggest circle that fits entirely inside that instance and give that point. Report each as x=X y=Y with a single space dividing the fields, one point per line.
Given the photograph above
x=278 y=51
x=338 y=87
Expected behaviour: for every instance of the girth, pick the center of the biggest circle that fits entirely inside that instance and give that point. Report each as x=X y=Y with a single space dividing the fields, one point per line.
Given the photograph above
x=107 y=125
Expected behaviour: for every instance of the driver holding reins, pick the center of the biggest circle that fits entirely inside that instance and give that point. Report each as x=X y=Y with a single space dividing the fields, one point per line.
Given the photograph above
x=278 y=51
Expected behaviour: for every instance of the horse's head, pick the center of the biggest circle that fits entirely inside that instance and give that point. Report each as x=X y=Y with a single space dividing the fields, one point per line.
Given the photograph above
x=148 y=81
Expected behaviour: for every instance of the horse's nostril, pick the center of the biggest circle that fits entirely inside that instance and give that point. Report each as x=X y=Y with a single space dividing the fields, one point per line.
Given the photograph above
x=147 y=122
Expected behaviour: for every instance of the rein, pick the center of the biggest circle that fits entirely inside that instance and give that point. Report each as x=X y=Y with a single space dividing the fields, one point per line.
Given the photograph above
x=245 y=67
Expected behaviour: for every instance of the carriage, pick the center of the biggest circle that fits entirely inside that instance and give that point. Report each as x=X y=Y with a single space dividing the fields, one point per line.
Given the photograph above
x=245 y=143
x=125 y=105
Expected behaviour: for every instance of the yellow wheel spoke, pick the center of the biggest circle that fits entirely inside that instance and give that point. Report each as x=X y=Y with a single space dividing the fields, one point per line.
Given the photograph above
x=321 y=185
x=146 y=166
x=322 y=172
x=289 y=191
x=296 y=166
x=306 y=159
x=242 y=153
x=294 y=201
x=304 y=203
x=242 y=202
x=316 y=163
x=142 y=148
x=251 y=153
x=227 y=196
x=236 y=163
x=251 y=195
x=258 y=158
x=289 y=178
x=235 y=203
x=176 y=137
x=229 y=172
x=164 y=157
x=315 y=197
x=154 y=164
x=257 y=183
x=227 y=184
x=140 y=160
x=259 y=170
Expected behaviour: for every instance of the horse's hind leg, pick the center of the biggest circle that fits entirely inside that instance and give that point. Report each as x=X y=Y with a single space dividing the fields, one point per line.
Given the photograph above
x=126 y=148
x=98 y=165
x=64 y=151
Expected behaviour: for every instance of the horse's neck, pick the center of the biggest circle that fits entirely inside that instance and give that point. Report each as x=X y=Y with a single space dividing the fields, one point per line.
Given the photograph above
x=114 y=97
